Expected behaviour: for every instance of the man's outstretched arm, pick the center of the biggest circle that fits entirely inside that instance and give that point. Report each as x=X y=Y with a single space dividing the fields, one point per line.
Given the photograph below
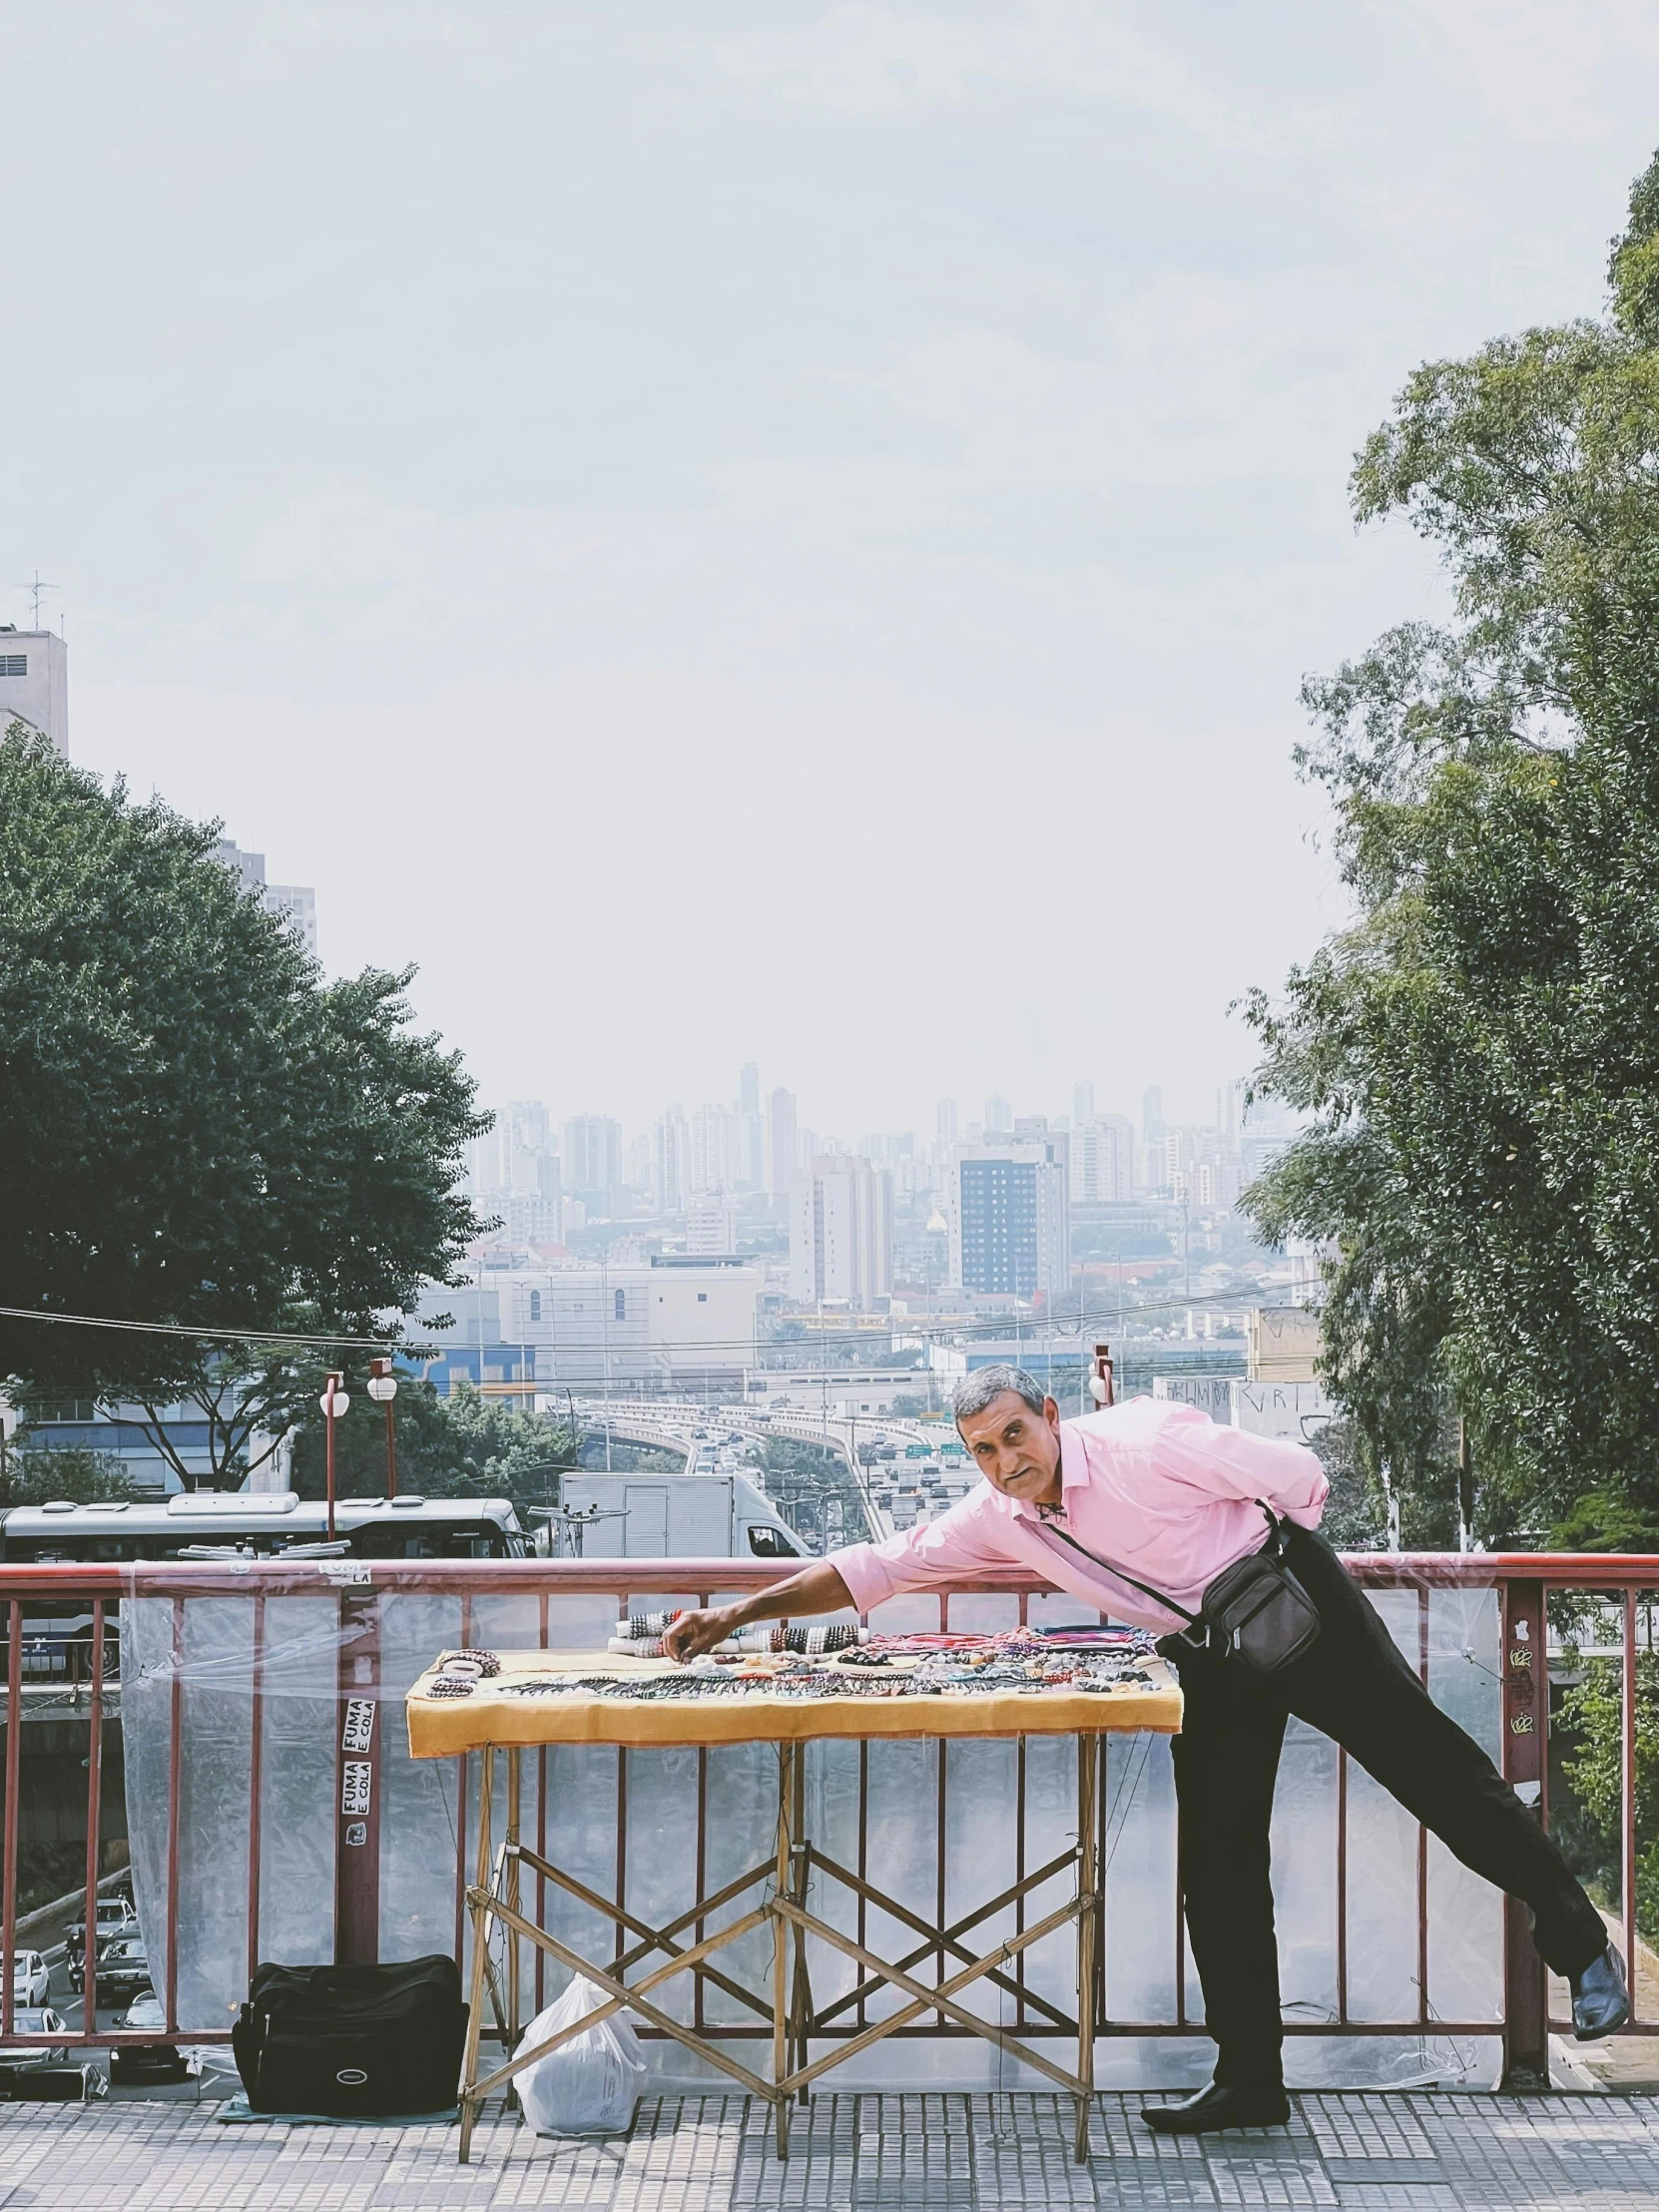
x=816 y=1589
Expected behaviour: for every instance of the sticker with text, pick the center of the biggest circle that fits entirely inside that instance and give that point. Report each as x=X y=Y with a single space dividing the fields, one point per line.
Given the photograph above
x=358 y=1732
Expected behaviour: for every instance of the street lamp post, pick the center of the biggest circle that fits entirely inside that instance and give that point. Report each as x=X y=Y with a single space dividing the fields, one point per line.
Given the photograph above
x=334 y=1402
x=1100 y=1381
x=382 y=1387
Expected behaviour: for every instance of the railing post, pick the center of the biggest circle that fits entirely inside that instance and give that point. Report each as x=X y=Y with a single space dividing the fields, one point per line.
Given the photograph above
x=1525 y=1736
x=357 y=1792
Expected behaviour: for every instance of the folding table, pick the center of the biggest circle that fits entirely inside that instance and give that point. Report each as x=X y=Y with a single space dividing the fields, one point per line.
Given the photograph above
x=509 y=1713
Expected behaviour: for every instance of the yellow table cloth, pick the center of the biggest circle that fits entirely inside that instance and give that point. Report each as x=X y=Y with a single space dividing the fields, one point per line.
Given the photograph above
x=496 y=1713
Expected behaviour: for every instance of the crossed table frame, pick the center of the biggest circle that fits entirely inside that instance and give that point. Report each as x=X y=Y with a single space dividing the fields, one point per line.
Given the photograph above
x=788 y=2011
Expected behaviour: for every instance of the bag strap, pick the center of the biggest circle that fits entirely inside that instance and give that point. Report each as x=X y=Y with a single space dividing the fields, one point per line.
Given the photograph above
x=1193 y=1620
x=1163 y=1598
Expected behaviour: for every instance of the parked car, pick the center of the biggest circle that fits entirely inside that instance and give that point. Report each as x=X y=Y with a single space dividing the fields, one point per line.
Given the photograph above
x=159 y=2061
x=36 y=2019
x=122 y=1970
x=31 y=1979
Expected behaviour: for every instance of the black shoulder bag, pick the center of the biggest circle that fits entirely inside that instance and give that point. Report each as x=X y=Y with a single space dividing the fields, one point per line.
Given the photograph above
x=1255 y=1611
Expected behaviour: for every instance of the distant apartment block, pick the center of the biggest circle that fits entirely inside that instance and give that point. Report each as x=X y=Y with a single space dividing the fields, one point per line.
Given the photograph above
x=34 y=683
x=291 y=903
x=710 y=1226
x=1102 y=1159
x=780 y=1137
x=513 y=1175
x=1011 y=1218
x=840 y=1233
x=592 y=1166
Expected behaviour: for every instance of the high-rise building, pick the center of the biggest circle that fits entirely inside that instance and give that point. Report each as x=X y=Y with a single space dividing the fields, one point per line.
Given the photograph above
x=593 y=1163
x=1229 y=1114
x=639 y=1165
x=1103 y=1160
x=1082 y=1104
x=999 y=1117
x=673 y=1161
x=291 y=903
x=947 y=1121
x=840 y=1233
x=748 y=1089
x=752 y=1152
x=513 y=1175
x=1011 y=1218
x=781 y=1160
x=1152 y=1115
x=34 y=683
x=716 y=1162
x=516 y=1154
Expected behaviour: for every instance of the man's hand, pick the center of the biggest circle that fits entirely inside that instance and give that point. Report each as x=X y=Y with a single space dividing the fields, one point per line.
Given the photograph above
x=695 y=1634
x=816 y=1588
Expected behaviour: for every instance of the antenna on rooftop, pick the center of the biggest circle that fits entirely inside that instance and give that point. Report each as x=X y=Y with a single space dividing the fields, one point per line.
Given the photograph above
x=35 y=589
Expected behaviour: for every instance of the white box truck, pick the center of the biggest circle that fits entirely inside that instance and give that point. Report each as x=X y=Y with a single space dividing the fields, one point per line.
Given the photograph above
x=664 y=1516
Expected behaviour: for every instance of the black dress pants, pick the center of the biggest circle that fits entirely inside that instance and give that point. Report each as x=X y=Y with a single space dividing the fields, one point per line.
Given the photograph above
x=1354 y=1685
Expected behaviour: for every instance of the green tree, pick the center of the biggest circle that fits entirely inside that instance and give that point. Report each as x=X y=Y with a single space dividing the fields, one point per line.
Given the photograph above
x=1588 y=1727
x=195 y=1129
x=30 y=1476
x=463 y=1445
x=1477 y=1053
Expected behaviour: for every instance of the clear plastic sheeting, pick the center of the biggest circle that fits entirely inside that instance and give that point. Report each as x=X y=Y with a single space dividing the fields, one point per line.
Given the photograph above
x=201 y=1655
x=257 y=1688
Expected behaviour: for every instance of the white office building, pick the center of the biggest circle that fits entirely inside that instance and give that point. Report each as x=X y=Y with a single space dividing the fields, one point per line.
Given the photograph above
x=34 y=683
x=1103 y=1160
x=676 y=1323
x=840 y=1234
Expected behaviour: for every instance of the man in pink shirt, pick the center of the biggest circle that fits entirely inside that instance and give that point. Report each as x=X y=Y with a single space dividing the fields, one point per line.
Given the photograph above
x=1151 y=1500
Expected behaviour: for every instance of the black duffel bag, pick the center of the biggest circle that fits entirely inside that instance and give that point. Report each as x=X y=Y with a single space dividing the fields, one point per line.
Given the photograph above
x=352 y=2041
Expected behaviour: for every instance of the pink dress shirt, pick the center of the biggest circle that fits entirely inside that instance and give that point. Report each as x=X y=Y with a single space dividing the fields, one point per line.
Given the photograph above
x=1154 y=1486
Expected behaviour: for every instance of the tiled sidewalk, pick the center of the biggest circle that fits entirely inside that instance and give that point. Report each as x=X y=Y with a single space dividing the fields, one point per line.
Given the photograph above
x=935 y=2153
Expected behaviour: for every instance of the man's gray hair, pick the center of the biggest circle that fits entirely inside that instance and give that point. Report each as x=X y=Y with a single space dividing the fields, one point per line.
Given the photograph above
x=975 y=1391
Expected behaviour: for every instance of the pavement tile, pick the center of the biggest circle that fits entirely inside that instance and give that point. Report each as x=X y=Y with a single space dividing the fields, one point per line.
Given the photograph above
x=905 y=2152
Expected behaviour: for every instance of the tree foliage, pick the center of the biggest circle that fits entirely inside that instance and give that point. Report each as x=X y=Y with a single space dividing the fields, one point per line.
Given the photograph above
x=1478 y=1052
x=463 y=1445
x=1590 y=1728
x=196 y=1128
x=33 y=1476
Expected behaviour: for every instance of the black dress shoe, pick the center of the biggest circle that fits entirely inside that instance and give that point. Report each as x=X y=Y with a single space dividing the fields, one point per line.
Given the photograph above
x=1600 y=2001
x=1219 y=2106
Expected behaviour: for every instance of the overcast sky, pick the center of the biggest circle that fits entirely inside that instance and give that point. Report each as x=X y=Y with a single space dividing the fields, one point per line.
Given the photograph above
x=768 y=531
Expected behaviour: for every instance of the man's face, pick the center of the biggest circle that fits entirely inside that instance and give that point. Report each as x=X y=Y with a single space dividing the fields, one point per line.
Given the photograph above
x=1015 y=1450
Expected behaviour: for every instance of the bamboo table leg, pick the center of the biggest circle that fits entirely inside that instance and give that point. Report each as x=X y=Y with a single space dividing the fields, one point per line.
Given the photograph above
x=512 y=1824
x=480 y=1945
x=1088 y=1761
x=787 y=1754
x=800 y=1994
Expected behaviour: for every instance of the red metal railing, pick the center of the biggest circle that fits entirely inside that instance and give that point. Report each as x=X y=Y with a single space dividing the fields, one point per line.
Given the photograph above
x=1525 y=1586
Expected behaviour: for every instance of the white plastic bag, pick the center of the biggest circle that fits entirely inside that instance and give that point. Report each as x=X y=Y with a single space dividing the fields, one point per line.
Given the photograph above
x=587 y=2086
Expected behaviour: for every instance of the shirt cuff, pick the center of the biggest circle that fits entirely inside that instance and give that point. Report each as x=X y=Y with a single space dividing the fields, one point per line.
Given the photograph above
x=865 y=1571
x=1311 y=1514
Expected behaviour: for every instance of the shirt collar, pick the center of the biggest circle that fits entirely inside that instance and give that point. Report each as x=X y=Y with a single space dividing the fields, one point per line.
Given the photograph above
x=1074 y=1476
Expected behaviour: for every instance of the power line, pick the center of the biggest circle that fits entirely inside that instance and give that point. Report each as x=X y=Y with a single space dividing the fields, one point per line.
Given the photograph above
x=381 y=1344
x=988 y=1325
